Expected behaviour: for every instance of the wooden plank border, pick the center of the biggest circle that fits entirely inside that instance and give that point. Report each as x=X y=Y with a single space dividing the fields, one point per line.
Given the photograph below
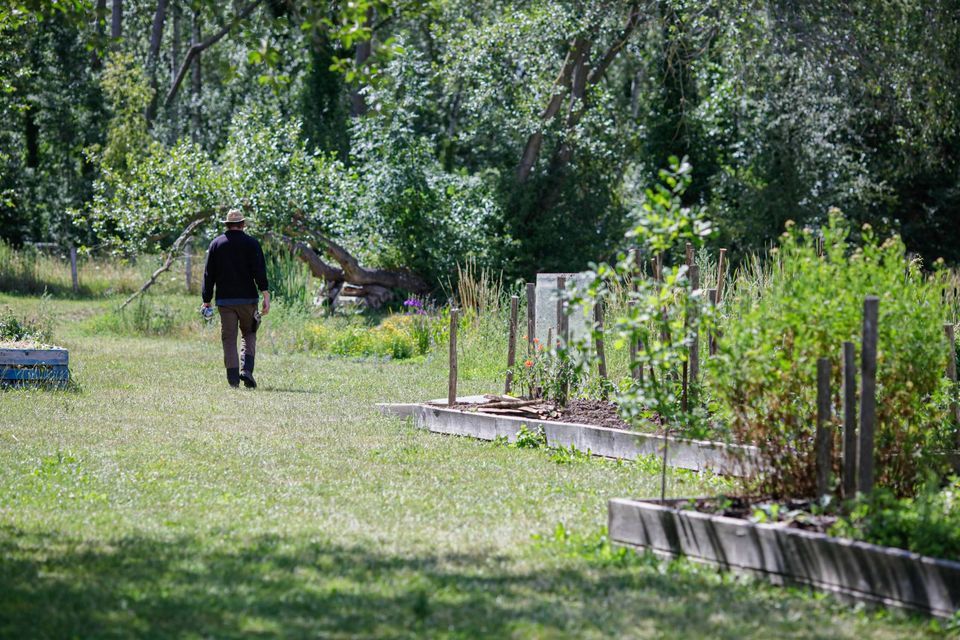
x=29 y=357
x=855 y=570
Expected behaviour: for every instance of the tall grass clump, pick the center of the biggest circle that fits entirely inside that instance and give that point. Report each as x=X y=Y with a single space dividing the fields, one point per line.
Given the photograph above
x=291 y=282
x=764 y=377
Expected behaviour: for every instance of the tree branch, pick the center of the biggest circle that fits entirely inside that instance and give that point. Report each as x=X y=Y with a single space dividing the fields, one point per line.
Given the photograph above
x=175 y=249
x=196 y=49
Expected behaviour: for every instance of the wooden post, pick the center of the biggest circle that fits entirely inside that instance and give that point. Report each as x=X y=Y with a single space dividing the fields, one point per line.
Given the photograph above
x=711 y=339
x=868 y=392
x=694 y=353
x=188 y=265
x=849 y=420
x=512 y=343
x=601 y=355
x=531 y=316
x=824 y=438
x=452 y=388
x=635 y=372
x=561 y=287
x=73 y=270
x=721 y=274
x=689 y=254
x=952 y=372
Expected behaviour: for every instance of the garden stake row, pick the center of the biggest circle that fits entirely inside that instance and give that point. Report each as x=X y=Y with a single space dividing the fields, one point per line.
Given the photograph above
x=512 y=343
x=452 y=386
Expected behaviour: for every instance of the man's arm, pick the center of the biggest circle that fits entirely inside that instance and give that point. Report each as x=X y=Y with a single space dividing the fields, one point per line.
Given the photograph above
x=209 y=277
x=260 y=277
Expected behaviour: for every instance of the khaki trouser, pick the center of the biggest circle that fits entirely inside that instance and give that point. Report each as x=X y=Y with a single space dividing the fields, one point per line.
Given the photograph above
x=232 y=317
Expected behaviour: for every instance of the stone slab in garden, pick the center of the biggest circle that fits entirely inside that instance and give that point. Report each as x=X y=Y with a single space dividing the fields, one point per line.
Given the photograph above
x=695 y=455
x=34 y=365
x=581 y=321
x=857 y=570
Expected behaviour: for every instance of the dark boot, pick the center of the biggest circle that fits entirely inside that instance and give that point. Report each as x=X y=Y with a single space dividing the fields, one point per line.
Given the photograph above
x=247 y=374
x=233 y=376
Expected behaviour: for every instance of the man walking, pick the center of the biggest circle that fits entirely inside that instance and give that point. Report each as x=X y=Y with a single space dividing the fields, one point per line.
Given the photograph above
x=236 y=268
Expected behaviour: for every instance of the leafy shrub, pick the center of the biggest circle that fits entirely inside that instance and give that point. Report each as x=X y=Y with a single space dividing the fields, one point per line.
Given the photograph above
x=397 y=336
x=928 y=523
x=765 y=374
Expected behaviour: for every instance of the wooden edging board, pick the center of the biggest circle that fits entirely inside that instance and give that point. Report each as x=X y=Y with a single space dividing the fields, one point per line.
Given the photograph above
x=695 y=455
x=34 y=364
x=856 y=570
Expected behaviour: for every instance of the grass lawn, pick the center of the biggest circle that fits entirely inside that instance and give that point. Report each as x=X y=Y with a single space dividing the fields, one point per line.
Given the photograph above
x=154 y=501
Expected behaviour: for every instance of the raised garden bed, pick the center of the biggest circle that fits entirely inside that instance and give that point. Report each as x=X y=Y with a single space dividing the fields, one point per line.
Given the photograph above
x=785 y=555
x=601 y=441
x=28 y=363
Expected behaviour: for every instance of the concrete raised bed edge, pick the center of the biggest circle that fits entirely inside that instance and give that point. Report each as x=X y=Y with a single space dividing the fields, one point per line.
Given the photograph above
x=695 y=455
x=852 y=569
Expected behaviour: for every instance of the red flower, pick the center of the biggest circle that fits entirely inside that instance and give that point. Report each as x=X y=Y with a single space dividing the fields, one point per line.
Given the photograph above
x=528 y=363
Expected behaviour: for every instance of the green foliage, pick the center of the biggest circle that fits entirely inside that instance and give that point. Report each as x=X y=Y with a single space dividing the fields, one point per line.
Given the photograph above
x=527 y=439
x=14 y=328
x=928 y=523
x=764 y=376
x=290 y=281
x=662 y=314
x=148 y=316
x=127 y=94
x=399 y=337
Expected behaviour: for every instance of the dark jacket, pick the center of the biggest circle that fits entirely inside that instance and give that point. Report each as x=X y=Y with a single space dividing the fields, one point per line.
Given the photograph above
x=236 y=268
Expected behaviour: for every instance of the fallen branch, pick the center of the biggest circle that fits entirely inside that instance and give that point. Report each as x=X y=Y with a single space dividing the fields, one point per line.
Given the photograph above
x=172 y=254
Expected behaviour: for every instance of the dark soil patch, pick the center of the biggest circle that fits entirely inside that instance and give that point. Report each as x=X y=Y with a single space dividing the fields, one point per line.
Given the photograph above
x=795 y=514
x=596 y=413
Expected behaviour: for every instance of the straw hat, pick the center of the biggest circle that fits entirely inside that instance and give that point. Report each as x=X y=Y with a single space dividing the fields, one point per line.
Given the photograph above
x=234 y=216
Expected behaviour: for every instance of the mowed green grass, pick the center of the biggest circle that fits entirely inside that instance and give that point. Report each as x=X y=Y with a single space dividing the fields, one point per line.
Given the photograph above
x=153 y=501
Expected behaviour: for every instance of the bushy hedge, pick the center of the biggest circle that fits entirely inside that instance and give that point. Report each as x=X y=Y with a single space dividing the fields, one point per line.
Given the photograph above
x=765 y=374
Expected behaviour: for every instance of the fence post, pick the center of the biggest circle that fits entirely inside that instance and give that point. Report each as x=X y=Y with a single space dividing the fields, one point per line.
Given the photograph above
x=824 y=437
x=188 y=266
x=561 y=287
x=711 y=338
x=512 y=343
x=721 y=273
x=601 y=354
x=531 y=316
x=635 y=372
x=849 y=420
x=952 y=371
x=694 y=355
x=868 y=392
x=452 y=386
x=73 y=270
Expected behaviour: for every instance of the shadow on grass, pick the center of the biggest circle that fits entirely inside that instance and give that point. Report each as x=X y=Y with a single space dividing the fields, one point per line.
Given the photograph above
x=52 y=586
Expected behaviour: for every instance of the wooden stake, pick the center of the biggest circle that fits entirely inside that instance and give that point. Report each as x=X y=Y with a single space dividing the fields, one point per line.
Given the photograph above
x=452 y=388
x=188 y=265
x=636 y=372
x=601 y=355
x=952 y=372
x=849 y=420
x=721 y=274
x=868 y=392
x=561 y=287
x=73 y=270
x=711 y=338
x=694 y=353
x=531 y=316
x=512 y=343
x=689 y=254
x=824 y=438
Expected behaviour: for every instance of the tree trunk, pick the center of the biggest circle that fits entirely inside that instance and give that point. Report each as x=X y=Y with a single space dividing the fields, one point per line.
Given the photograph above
x=156 y=37
x=173 y=105
x=116 y=24
x=100 y=13
x=358 y=105
x=31 y=134
x=196 y=80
